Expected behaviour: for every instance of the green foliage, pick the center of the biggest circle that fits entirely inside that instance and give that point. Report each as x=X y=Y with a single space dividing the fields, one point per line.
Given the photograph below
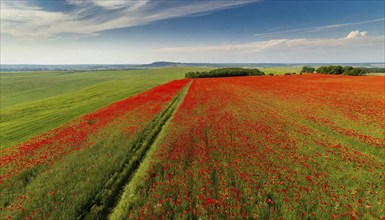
x=348 y=68
x=375 y=70
x=338 y=70
x=356 y=72
x=306 y=69
x=225 y=72
x=322 y=69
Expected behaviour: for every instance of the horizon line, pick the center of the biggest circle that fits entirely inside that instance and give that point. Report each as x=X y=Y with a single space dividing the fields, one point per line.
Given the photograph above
x=171 y=62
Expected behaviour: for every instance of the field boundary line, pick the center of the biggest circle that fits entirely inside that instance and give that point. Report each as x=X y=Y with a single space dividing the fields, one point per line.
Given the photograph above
x=105 y=201
x=128 y=198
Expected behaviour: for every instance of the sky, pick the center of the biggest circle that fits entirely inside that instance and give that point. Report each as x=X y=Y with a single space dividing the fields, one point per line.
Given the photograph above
x=209 y=31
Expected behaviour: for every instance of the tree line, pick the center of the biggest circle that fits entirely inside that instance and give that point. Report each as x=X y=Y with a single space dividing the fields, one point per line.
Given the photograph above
x=346 y=70
x=225 y=72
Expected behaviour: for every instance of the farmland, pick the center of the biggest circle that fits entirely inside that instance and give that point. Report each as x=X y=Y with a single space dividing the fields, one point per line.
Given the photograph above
x=58 y=173
x=33 y=103
x=299 y=146
x=281 y=70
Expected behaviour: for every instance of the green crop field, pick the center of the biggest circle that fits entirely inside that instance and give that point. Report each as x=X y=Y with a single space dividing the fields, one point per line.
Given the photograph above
x=32 y=103
x=280 y=70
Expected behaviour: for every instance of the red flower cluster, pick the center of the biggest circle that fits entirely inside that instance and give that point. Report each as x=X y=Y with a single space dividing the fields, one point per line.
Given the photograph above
x=19 y=165
x=54 y=144
x=271 y=147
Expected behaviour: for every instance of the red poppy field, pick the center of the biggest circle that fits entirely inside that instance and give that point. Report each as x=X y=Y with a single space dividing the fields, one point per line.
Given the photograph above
x=268 y=147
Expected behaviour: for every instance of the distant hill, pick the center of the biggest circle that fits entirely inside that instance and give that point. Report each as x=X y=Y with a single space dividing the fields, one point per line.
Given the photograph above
x=162 y=64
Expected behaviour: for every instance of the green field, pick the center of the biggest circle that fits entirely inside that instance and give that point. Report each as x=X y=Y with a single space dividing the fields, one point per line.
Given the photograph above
x=35 y=102
x=280 y=70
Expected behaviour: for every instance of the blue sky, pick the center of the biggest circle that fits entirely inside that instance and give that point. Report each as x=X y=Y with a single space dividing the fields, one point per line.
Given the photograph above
x=137 y=31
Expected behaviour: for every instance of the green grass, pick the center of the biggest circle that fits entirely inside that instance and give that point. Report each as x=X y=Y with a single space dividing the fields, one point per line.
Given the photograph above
x=280 y=70
x=37 y=102
x=128 y=197
x=375 y=74
x=18 y=88
x=109 y=195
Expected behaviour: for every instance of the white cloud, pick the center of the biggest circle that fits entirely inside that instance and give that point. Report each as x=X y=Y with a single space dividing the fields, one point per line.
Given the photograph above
x=356 y=35
x=114 y=4
x=285 y=44
x=17 y=21
x=368 y=49
x=21 y=19
x=363 y=49
x=319 y=28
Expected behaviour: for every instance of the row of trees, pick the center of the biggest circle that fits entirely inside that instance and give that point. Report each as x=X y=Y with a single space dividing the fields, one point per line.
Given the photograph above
x=225 y=72
x=375 y=70
x=346 y=70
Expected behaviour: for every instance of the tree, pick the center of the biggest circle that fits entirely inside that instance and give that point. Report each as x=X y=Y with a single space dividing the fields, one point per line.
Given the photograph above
x=306 y=69
x=323 y=69
x=347 y=69
x=356 y=72
x=336 y=70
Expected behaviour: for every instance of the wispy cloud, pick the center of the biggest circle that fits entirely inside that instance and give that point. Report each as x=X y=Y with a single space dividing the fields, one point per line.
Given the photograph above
x=115 y=4
x=21 y=18
x=353 y=38
x=355 y=46
x=362 y=48
x=317 y=29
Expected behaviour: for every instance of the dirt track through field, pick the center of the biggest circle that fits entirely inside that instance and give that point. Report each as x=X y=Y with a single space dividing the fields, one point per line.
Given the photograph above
x=106 y=200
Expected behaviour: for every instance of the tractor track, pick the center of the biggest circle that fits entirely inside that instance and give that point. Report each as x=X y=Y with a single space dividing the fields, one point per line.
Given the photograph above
x=106 y=200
